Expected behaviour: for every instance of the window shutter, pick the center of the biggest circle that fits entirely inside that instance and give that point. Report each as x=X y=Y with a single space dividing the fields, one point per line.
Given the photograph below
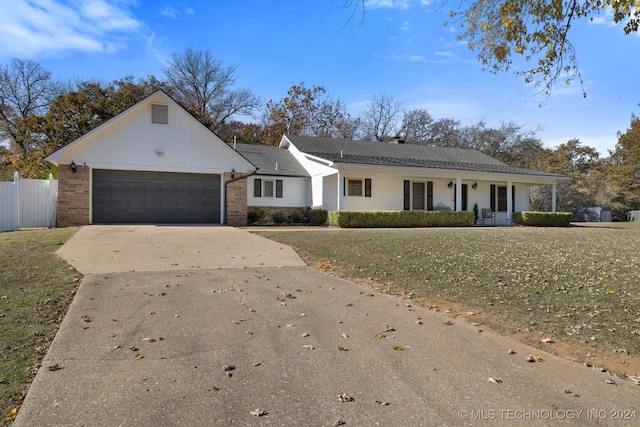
x=513 y=198
x=429 y=195
x=279 y=188
x=367 y=187
x=159 y=114
x=344 y=187
x=257 y=187
x=492 y=198
x=407 y=195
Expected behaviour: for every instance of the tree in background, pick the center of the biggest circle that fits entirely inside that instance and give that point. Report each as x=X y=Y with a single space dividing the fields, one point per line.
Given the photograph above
x=72 y=115
x=204 y=86
x=588 y=185
x=416 y=126
x=246 y=133
x=380 y=117
x=309 y=112
x=624 y=168
x=26 y=90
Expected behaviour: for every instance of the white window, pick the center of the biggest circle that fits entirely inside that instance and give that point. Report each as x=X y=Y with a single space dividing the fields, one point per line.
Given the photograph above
x=354 y=187
x=268 y=189
x=358 y=187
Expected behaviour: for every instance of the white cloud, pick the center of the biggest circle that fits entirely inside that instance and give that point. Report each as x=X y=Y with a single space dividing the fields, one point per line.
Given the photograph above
x=170 y=12
x=50 y=27
x=386 y=4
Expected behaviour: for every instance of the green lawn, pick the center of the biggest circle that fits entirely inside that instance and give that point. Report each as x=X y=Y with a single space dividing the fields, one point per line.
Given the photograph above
x=36 y=288
x=579 y=285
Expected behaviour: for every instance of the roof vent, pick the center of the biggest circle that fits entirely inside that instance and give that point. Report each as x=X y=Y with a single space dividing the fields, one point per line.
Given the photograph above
x=341 y=154
x=276 y=165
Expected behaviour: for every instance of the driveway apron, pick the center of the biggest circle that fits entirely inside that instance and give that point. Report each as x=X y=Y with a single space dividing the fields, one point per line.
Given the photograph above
x=203 y=326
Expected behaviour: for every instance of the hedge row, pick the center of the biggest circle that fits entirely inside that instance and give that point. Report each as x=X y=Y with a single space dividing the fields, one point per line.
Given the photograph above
x=543 y=219
x=372 y=219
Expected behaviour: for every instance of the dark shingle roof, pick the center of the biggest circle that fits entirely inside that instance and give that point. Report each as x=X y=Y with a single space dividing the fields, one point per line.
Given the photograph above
x=407 y=155
x=266 y=157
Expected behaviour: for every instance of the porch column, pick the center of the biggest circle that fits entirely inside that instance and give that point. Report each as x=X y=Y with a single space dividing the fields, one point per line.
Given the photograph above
x=553 y=197
x=509 y=201
x=458 y=194
x=340 y=200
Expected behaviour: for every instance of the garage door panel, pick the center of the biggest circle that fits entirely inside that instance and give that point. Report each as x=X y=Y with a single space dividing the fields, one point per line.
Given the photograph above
x=155 y=197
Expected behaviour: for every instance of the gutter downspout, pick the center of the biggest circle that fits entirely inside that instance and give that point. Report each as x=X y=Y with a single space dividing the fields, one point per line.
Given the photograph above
x=225 y=191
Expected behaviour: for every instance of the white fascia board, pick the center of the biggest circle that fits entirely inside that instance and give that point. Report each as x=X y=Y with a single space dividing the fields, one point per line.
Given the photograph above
x=448 y=174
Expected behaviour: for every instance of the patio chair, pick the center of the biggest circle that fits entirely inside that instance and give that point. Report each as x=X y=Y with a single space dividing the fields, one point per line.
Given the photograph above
x=488 y=214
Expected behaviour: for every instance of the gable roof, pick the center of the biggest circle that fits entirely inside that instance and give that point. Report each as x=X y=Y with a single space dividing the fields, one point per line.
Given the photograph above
x=407 y=155
x=270 y=160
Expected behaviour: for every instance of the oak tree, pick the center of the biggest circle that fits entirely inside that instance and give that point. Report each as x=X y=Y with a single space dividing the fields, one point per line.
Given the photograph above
x=309 y=112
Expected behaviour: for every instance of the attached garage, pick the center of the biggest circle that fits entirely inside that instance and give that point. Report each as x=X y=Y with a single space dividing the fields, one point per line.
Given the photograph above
x=155 y=197
x=154 y=163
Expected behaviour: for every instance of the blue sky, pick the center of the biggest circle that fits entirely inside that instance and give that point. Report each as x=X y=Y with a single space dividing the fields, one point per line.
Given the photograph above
x=402 y=50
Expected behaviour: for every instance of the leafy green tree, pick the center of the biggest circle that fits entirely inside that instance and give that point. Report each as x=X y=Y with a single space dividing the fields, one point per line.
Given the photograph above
x=588 y=184
x=624 y=168
x=309 y=112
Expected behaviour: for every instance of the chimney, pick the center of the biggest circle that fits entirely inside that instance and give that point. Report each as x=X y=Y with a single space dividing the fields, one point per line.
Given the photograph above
x=397 y=140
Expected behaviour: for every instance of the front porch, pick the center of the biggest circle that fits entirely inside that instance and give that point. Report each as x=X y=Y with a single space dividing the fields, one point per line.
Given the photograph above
x=354 y=190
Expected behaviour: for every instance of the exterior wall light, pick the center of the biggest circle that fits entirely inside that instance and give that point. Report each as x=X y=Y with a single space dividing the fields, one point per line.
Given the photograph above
x=233 y=173
x=73 y=166
x=475 y=185
x=450 y=184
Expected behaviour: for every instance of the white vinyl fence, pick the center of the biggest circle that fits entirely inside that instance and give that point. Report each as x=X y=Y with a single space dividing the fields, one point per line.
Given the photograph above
x=28 y=203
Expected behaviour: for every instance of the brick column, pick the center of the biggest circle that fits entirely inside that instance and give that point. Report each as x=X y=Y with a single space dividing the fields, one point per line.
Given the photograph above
x=73 y=196
x=236 y=198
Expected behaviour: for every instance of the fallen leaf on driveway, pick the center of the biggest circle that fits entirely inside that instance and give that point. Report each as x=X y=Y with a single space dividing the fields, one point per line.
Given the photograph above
x=55 y=367
x=258 y=412
x=495 y=380
x=308 y=347
x=380 y=335
x=342 y=348
x=548 y=340
x=398 y=347
x=139 y=356
x=344 y=397
x=344 y=336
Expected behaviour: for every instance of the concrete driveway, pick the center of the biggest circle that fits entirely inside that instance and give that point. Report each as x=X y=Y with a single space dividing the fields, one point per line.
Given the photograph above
x=200 y=326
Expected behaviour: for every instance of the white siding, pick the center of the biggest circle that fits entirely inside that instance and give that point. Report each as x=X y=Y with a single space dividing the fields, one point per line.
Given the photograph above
x=131 y=142
x=294 y=192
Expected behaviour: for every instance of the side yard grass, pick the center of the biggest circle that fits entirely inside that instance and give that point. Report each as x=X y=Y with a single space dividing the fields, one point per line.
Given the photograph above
x=36 y=288
x=579 y=286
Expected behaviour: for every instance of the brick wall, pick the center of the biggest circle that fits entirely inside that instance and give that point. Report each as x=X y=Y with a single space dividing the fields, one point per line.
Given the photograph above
x=73 y=196
x=236 y=200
